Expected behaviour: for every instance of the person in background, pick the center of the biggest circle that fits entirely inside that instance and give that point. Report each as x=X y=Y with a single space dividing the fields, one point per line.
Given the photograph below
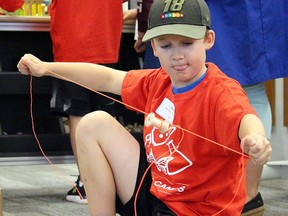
x=83 y=31
x=11 y=5
x=252 y=48
x=190 y=175
x=150 y=61
x=254 y=53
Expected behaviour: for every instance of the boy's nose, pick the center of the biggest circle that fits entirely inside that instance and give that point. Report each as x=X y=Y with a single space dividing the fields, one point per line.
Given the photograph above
x=178 y=54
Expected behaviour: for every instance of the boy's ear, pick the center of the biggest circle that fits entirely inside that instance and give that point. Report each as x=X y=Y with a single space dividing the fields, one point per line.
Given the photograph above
x=209 y=39
x=154 y=48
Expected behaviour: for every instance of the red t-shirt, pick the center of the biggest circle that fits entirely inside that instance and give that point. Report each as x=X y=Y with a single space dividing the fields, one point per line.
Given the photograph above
x=11 y=5
x=193 y=176
x=86 y=31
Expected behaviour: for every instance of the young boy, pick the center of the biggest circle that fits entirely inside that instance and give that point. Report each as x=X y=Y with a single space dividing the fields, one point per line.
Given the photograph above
x=195 y=170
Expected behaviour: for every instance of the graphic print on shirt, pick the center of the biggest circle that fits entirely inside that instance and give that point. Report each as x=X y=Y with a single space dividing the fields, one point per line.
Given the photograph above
x=162 y=151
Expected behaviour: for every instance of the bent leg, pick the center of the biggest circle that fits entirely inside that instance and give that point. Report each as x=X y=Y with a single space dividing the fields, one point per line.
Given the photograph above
x=108 y=158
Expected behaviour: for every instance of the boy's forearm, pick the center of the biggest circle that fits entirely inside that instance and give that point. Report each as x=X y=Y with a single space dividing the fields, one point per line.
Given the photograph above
x=93 y=76
x=251 y=124
x=74 y=71
x=253 y=139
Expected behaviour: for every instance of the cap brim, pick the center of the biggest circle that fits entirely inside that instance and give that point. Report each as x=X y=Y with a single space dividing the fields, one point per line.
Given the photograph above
x=190 y=31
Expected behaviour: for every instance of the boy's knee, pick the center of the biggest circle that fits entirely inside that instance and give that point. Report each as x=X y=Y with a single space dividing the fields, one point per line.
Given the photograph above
x=91 y=123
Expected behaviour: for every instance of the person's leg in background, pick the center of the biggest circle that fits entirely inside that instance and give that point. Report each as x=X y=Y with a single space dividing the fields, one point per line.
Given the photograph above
x=73 y=122
x=258 y=99
x=96 y=102
x=72 y=195
x=74 y=102
x=70 y=100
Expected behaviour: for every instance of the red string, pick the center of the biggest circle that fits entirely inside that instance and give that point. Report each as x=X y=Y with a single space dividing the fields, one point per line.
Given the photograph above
x=177 y=126
x=38 y=142
x=177 y=146
x=145 y=173
x=143 y=112
x=238 y=186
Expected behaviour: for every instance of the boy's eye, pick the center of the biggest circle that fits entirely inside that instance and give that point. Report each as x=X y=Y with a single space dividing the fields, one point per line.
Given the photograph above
x=163 y=46
x=187 y=43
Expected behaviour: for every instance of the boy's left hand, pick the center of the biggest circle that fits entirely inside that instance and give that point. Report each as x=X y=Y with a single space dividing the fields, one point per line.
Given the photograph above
x=257 y=147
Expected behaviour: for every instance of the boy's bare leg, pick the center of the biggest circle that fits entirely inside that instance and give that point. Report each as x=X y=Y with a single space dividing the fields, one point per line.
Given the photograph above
x=108 y=158
x=253 y=177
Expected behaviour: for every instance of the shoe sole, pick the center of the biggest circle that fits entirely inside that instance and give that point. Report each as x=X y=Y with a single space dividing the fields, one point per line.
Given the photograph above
x=76 y=200
x=254 y=212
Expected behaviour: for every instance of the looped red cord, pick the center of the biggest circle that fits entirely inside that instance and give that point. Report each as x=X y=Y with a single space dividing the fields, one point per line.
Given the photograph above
x=143 y=112
x=38 y=142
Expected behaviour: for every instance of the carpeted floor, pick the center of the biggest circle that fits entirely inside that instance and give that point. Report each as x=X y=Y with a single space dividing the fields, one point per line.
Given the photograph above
x=34 y=190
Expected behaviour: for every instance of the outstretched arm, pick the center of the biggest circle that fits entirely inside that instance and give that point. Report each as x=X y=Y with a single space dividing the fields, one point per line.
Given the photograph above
x=94 y=76
x=253 y=139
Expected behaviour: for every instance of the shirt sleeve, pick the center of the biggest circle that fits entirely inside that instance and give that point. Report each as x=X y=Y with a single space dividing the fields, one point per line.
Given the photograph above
x=11 y=5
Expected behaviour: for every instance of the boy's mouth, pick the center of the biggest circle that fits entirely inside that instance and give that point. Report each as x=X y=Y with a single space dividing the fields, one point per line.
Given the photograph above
x=180 y=67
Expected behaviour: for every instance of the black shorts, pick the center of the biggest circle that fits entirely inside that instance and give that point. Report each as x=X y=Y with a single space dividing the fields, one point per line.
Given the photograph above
x=146 y=203
x=71 y=99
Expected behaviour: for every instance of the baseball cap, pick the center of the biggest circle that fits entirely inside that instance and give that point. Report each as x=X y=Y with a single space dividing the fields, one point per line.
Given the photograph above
x=188 y=18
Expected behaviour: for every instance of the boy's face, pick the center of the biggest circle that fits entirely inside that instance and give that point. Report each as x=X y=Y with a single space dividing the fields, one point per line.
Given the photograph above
x=182 y=58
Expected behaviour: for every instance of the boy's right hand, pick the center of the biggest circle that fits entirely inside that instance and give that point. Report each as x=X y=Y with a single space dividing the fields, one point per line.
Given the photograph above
x=29 y=64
